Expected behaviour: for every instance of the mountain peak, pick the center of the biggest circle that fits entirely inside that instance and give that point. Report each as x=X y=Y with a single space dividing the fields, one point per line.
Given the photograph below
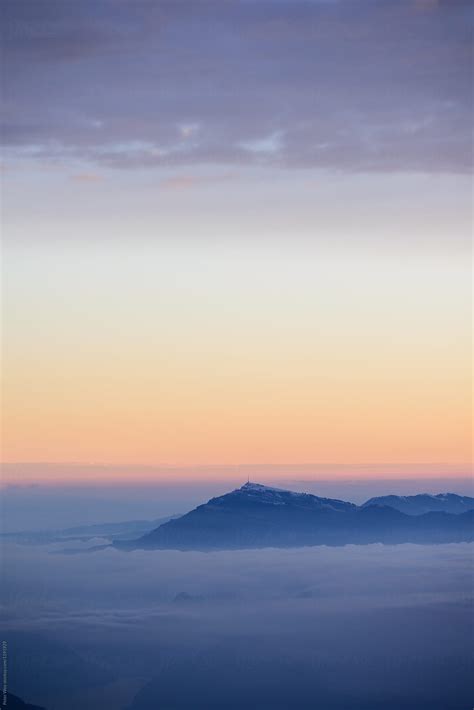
x=269 y=493
x=255 y=493
x=260 y=488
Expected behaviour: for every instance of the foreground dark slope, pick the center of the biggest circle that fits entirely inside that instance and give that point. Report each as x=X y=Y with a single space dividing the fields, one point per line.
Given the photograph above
x=256 y=516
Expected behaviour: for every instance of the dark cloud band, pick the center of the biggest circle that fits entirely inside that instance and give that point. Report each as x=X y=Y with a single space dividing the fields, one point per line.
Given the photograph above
x=353 y=86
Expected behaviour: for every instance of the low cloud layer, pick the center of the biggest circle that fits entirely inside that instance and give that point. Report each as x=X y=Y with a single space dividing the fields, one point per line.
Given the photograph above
x=142 y=583
x=120 y=626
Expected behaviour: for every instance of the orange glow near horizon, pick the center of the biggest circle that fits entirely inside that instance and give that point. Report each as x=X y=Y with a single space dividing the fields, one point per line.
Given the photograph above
x=286 y=475
x=189 y=354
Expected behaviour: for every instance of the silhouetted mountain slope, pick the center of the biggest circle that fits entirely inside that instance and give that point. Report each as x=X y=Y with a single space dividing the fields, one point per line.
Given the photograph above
x=425 y=503
x=38 y=663
x=126 y=530
x=259 y=516
x=13 y=702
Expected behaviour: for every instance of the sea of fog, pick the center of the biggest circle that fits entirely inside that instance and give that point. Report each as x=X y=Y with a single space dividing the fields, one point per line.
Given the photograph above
x=353 y=627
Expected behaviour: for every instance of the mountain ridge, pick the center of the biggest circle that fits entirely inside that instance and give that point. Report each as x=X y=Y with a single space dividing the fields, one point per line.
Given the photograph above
x=425 y=503
x=255 y=516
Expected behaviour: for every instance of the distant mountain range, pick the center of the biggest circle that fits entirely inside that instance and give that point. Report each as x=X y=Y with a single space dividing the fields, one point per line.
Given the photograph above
x=426 y=503
x=255 y=516
x=126 y=530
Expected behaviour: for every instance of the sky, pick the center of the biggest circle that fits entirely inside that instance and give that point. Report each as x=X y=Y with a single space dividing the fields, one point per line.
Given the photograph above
x=236 y=233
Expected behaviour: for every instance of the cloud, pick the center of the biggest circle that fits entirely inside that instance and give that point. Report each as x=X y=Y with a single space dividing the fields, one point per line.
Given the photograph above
x=187 y=182
x=87 y=177
x=268 y=145
x=143 y=584
x=179 y=182
x=355 y=622
x=188 y=130
x=381 y=86
x=426 y=4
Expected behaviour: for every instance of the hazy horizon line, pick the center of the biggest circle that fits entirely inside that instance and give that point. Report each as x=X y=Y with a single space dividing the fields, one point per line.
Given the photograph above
x=230 y=465
x=77 y=474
